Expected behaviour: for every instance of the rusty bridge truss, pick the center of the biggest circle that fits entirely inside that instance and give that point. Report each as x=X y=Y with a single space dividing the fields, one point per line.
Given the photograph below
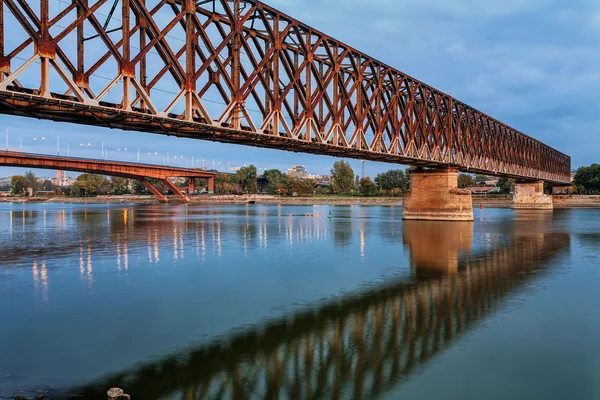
x=239 y=71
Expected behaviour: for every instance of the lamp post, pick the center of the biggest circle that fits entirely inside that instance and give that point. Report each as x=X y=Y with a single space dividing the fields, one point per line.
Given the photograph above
x=35 y=139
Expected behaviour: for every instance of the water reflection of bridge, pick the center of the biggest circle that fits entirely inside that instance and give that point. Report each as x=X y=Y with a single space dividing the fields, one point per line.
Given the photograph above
x=358 y=346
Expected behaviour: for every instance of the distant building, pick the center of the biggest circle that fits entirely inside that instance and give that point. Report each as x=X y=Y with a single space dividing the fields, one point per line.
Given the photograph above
x=298 y=171
x=61 y=179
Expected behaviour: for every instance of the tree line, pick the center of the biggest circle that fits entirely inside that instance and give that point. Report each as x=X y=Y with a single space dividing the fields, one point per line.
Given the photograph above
x=587 y=180
x=245 y=180
x=84 y=185
x=343 y=181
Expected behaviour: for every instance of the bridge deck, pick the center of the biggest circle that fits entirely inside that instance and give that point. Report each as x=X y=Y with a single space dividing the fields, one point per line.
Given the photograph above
x=106 y=167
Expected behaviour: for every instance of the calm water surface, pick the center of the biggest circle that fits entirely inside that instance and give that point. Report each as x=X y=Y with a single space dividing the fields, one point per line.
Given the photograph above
x=181 y=302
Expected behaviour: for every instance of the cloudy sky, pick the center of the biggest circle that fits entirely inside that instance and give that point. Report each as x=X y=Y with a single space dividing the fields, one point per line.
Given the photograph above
x=533 y=64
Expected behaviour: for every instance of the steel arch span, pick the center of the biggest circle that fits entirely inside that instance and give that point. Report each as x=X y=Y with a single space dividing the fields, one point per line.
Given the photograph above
x=239 y=71
x=141 y=172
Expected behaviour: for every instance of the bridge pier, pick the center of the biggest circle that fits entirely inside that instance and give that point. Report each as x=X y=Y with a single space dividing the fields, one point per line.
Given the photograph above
x=161 y=197
x=191 y=186
x=211 y=185
x=435 y=196
x=175 y=190
x=530 y=196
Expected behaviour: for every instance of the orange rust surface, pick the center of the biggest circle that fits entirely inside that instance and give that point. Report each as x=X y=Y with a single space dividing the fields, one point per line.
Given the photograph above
x=46 y=48
x=113 y=168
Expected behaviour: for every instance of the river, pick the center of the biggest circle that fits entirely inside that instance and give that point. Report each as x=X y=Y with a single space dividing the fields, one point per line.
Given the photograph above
x=257 y=301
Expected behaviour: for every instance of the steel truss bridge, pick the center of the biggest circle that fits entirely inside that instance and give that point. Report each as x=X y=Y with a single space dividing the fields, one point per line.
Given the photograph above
x=356 y=347
x=239 y=71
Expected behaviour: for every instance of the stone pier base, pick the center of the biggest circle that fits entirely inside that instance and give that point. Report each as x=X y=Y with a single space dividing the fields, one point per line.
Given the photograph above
x=435 y=196
x=530 y=196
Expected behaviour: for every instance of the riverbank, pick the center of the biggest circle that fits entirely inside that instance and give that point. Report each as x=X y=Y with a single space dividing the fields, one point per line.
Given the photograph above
x=212 y=199
x=496 y=201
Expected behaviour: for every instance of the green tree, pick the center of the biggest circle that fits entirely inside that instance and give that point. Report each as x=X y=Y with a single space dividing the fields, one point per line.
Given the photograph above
x=465 y=180
x=47 y=186
x=505 y=185
x=247 y=178
x=31 y=181
x=119 y=186
x=90 y=184
x=275 y=179
x=227 y=184
x=342 y=178
x=587 y=179
x=138 y=187
x=367 y=187
x=17 y=184
x=393 y=180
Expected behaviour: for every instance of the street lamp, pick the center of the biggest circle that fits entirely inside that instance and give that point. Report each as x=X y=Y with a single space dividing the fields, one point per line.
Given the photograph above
x=35 y=139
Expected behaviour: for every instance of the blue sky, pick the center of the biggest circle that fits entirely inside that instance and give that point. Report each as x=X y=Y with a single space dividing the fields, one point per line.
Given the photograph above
x=533 y=64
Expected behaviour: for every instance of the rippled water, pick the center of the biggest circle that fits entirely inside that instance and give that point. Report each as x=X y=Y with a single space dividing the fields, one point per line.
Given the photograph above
x=260 y=301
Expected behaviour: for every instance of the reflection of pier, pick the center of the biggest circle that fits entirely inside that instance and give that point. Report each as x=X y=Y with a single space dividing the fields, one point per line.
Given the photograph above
x=435 y=245
x=359 y=346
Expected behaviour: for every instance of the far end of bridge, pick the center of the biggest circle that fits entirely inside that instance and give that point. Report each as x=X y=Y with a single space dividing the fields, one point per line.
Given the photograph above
x=435 y=196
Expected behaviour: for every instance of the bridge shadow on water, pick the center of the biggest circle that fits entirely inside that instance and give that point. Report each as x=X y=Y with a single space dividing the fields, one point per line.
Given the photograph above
x=364 y=344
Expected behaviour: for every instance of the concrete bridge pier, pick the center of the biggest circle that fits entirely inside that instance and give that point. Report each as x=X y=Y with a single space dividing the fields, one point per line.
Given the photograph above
x=435 y=196
x=530 y=196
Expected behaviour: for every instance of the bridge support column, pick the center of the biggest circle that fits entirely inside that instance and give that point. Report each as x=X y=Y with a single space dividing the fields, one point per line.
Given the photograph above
x=530 y=196
x=211 y=185
x=176 y=190
x=191 y=186
x=435 y=196
x=161 y=197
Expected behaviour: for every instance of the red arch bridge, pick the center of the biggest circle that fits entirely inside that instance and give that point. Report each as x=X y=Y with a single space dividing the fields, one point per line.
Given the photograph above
x=141 y=172
x=240 y=71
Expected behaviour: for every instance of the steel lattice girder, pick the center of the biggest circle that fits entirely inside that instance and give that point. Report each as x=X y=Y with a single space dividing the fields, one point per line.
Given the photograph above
x=242 y=72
